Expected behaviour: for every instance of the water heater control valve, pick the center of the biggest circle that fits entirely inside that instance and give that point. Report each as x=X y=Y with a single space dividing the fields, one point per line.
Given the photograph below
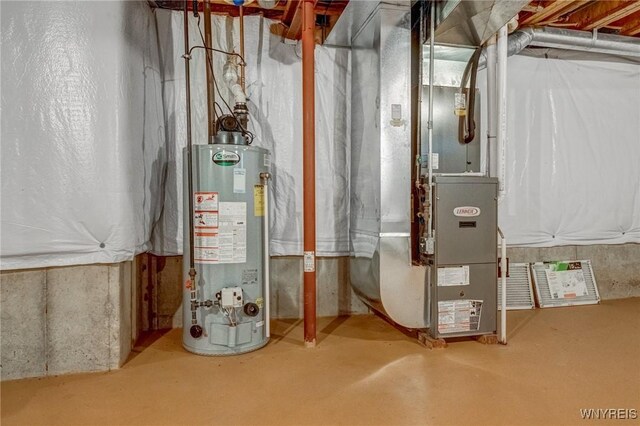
x=231 y=297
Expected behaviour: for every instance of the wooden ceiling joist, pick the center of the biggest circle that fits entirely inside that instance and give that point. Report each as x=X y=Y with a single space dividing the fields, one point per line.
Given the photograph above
x=553 y=11
x=631 y=25
x=603 y=13
x=611 y=16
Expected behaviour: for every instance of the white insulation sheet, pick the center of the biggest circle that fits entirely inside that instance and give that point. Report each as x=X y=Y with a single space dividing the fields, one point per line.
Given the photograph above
x=274 y=90
x=573 y=156
x=93 y=126
x=82 y=132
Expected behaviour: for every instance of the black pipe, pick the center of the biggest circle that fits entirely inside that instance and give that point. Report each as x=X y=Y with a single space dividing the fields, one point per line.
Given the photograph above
x=192 y=269
x=469 y=120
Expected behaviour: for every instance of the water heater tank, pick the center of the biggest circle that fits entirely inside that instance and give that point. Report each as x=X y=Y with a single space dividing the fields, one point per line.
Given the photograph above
x=229 y=249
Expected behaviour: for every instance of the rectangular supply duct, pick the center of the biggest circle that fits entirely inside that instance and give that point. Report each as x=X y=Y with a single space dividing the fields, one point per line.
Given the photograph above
x=384 y=269
x=379 y=34
x=472 y=23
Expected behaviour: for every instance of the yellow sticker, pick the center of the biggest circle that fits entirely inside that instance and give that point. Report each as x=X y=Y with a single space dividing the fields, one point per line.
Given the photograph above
x=258 y=200
x=260 y=302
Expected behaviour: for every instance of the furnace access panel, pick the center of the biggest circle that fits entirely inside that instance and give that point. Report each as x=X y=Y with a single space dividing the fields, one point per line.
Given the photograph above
x=464 y=265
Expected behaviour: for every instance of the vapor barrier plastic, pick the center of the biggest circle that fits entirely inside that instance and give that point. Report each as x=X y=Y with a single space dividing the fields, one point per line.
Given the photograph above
x=274 y=87
x=573 y=156
x=83 y=140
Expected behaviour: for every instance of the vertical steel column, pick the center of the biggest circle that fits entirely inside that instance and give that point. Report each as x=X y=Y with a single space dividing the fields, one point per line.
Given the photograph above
x=309 y=172
x=210 y=89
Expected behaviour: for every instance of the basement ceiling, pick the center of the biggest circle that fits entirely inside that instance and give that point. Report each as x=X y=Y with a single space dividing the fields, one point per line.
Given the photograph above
x=610 y=16
x=288 y=13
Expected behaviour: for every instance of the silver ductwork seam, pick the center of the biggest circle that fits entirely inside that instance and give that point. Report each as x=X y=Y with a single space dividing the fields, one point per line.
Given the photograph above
x=560 y=38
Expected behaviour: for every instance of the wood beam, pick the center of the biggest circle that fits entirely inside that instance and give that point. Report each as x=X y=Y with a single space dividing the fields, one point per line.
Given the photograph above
x=602 y=13
x=631 y=27
x=554 y=11
x=289 y=12
x=294 y=31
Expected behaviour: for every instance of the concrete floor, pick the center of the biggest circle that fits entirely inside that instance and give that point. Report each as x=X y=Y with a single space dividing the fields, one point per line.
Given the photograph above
x=362 y=372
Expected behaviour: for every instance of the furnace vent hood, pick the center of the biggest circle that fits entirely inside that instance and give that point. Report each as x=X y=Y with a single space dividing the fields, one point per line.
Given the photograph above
x=472 y=22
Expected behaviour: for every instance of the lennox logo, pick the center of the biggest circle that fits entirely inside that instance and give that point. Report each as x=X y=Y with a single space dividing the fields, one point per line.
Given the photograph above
x=224 y=158
x=467 y=211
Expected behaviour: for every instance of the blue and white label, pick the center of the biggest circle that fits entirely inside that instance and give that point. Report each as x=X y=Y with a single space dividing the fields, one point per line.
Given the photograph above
x=239 y=181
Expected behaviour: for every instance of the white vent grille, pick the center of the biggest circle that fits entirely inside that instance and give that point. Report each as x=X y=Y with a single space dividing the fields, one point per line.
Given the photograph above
x=519 y=288
x=543 y=293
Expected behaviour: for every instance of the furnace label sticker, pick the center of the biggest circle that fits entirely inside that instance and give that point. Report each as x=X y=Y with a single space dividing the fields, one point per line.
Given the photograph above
x=258 y=200
x=453 y=276
x=232 y=232
x=239 y=181
x=456 y=316
x=566 y=280
x=205 y=219
x=205 y=201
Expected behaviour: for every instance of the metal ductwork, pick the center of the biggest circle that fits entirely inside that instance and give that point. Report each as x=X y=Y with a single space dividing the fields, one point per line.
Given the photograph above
x=559 y=38
x=472 y=23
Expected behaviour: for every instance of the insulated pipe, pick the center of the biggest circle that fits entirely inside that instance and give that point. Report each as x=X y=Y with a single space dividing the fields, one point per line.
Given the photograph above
x=309 y=173
x=192 y=269
x=491 y=106
x=585 y=41
x=502 y=111
x=210 y=89
x=264 y=177
x=503 y=283
x=560 y=38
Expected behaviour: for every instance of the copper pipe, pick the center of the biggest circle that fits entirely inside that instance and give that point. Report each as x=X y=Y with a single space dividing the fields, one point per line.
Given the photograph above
x=308 y=170
x=211 y=95
x=242 y=48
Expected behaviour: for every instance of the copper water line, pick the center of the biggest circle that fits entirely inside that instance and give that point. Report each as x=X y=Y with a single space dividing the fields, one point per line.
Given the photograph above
x=308 y=170
x=211 y=96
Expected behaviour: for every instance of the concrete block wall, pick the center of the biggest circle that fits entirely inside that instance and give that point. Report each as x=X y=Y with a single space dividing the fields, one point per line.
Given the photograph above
x=85 y=318
x=65 y=320
x=163 y=294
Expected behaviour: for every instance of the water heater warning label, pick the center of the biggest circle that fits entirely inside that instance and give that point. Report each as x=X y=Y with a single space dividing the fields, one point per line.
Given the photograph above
x=205 y=201
x=455 y=316
x=220 y=231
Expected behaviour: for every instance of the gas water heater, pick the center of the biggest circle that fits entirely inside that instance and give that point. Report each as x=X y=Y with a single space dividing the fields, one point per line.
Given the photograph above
x=226 y=311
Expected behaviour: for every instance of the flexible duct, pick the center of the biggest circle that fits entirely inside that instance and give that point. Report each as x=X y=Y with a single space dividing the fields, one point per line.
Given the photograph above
x=571 y=40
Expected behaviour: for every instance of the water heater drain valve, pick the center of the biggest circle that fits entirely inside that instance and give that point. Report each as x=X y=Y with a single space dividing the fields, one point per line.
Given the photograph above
x=231 y=297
